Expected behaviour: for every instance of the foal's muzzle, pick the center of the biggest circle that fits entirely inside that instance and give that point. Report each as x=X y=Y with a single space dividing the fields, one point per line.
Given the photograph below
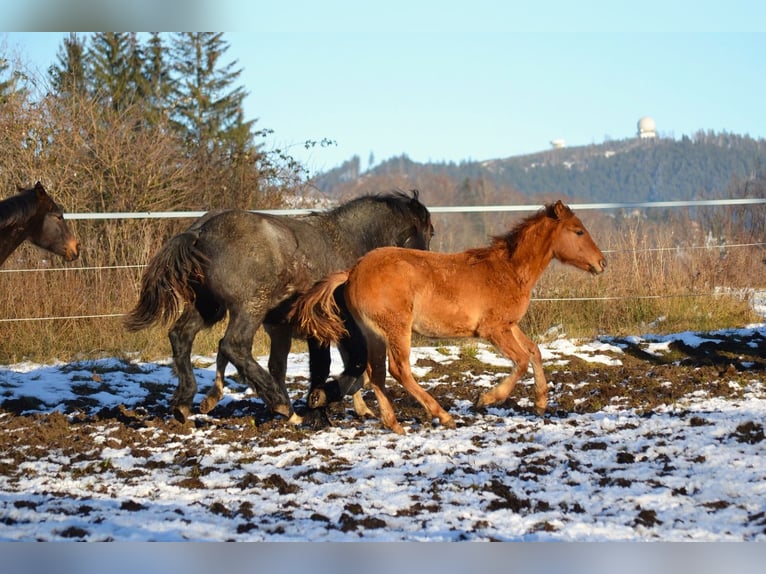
x=600 y=269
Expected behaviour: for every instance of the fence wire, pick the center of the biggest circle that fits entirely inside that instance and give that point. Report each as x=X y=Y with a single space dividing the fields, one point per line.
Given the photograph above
x=437 y=209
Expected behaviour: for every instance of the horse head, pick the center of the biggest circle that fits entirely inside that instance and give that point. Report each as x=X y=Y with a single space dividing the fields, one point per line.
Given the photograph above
x=419 y=234
x=572 y=243
x=53 y=234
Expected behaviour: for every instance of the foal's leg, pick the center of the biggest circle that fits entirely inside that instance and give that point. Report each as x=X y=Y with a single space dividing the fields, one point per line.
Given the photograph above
x=181 y=336
x=399 y=366
x=541 y=385
x=236 y=345
x=376 y=349
x=515 y=345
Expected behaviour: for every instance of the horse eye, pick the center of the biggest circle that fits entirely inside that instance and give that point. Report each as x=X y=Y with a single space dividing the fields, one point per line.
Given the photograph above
x=579 y=232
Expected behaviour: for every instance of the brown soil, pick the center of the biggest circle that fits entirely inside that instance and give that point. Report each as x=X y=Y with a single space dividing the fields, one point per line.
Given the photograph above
x=79 y=430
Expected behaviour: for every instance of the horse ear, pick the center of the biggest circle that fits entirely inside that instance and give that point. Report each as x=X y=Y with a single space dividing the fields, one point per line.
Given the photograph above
x=40 y=190
x=560 y=210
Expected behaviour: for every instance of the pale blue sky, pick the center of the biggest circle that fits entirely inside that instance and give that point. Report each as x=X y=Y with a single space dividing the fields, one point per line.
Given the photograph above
x=487 y=80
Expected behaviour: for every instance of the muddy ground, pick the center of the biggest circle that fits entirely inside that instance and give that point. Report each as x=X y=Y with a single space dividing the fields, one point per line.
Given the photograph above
x=58 y=480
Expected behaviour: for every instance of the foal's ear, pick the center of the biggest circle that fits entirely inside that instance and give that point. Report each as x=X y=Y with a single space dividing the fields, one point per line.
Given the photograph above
x=560 y=211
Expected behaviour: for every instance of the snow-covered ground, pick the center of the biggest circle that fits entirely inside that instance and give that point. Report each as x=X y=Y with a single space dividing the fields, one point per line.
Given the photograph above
x=690 y=470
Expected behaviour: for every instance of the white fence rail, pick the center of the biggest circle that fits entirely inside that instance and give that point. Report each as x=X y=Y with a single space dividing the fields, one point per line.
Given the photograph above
x=433 y=210
x=437 y=209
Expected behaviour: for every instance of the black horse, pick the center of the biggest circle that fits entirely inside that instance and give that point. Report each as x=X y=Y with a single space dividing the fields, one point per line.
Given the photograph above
x=255 y=266
x=32 y=215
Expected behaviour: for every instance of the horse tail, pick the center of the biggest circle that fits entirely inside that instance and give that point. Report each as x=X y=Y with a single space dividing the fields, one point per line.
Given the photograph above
x=316 y=312
x=167 y=282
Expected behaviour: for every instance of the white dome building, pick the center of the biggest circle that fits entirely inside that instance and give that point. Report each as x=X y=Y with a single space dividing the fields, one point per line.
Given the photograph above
x=647 y=128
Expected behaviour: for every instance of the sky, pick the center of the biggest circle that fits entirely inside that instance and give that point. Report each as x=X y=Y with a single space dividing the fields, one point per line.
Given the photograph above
x=478 y=82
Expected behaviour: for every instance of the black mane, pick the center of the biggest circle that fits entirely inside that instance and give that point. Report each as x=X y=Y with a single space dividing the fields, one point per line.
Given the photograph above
x=18 y=208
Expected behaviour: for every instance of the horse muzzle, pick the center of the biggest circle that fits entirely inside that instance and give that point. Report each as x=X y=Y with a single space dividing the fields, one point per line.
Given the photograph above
x=72 y=251
x=598 y=270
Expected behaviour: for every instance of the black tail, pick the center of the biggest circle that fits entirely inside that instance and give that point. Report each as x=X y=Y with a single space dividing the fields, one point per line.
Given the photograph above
x=167 y=282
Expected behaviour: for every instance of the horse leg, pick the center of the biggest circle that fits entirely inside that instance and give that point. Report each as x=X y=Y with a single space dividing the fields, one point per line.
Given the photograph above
x=353 y=352
x=354 y=355
x=215 y=394
x=181 y=336
x=535 y=357
x=516 y=350
x=281 y=338
x=319 y=363
x=237 y=344
x=399 y=366
x=376 y=347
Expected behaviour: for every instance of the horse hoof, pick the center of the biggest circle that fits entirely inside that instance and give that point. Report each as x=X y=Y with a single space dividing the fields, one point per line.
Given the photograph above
x=480 y=405
x=317 y=399
x=295 y=419
x=285 y=411
x=449 y=423
x=207 y=405
x=181 y=413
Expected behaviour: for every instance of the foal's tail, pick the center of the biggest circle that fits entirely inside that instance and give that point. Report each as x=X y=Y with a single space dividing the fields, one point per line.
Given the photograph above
x=167 y=282
x=316 y=313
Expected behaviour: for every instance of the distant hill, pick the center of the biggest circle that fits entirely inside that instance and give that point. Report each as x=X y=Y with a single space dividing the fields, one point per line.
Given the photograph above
x=706 y=165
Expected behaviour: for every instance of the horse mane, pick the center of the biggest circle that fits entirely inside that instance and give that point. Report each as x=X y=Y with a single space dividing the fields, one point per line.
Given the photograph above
x=399 y=201
x=509 y=242
x=18 y=208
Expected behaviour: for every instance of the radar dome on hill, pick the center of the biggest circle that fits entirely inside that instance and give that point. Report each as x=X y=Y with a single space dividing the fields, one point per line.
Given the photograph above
x=647 y=128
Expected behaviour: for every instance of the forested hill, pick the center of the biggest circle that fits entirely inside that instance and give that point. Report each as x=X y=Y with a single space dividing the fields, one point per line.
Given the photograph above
x=703 y=166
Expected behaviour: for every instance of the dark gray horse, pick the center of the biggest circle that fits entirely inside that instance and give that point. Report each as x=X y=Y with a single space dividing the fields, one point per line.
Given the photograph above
x=32 y=215
x=255 y=266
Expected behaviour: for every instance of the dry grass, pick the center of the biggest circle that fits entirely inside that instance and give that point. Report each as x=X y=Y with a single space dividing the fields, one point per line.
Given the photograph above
x=657 y=281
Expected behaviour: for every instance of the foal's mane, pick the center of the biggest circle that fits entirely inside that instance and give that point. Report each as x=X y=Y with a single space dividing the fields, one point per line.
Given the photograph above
x=509 y=242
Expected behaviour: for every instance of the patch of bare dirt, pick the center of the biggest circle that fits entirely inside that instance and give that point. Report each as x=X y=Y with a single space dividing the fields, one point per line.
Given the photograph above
x=643 y=382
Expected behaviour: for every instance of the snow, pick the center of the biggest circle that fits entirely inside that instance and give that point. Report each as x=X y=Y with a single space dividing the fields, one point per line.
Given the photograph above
x=677 y=473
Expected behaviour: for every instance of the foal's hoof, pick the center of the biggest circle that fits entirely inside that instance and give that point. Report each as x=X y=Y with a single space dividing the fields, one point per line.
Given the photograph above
x=480 y=405
x=181 y=413
x=448 y=423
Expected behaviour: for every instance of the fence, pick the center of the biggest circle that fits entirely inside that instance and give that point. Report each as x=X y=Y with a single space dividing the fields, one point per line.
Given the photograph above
x=434 y=210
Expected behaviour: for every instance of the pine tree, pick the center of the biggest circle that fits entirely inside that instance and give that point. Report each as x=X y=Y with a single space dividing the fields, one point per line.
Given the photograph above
x=68 y=76
x=159 y=85
x=117 y=69
x=208 y=108
x=7 y=87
